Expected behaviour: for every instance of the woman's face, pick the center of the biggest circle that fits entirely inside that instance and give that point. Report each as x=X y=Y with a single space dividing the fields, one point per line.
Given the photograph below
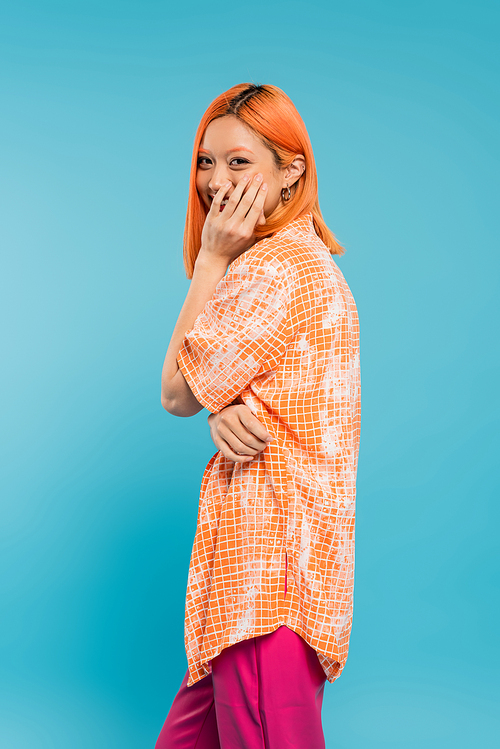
x=228 y=150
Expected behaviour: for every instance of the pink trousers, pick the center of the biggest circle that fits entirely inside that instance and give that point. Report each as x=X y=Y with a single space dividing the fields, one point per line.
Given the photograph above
x=263 y=693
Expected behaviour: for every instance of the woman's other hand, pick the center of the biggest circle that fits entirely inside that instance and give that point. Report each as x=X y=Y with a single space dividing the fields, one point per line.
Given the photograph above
x=228 y=230
x=238 y=434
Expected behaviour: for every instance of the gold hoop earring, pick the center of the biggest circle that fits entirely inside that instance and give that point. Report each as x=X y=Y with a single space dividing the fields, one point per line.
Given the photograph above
x=283 y=194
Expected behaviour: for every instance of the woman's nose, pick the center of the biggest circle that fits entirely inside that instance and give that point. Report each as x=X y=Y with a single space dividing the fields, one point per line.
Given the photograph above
x=219 y=178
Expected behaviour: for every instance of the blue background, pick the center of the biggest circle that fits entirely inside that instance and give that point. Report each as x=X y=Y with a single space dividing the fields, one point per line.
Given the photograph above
x=100 y=102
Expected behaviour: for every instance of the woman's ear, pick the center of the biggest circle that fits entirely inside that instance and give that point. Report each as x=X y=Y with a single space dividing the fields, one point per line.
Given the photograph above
x=294 y=170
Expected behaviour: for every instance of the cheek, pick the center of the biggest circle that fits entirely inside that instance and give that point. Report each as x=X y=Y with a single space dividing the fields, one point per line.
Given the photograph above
x=202 y=185
x=272 y=198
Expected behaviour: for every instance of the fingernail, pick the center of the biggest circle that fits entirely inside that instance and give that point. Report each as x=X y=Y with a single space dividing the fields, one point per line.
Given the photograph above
x=245 y=178
x=258 y=177
x=264 y=186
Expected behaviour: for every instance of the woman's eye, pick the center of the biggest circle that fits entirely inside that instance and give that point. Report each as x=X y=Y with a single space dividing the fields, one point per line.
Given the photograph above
x=205 y=161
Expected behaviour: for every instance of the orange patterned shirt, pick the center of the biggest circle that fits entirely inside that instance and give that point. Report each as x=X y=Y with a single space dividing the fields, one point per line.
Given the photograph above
x=282 y=331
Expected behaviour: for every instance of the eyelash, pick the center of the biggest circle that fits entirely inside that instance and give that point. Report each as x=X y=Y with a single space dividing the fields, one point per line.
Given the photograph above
x=236 y=158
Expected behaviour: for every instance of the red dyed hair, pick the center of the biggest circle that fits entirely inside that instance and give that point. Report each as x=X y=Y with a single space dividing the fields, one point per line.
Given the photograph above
x=272 y=117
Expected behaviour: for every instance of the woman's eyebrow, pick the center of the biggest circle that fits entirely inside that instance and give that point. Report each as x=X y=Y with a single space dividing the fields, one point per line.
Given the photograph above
x=238 y=148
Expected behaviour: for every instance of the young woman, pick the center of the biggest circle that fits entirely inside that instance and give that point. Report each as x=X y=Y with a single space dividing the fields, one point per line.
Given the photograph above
x=267 y=341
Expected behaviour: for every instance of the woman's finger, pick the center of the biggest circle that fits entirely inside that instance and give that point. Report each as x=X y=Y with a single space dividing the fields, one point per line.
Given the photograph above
x=248 y=198
x=235 y=196
x=256 y=208
x=224 y=438
x=218 y=198
x=242 y=430
x=241 y=446
x=253 y=425
x=238 y=434
x=228 y=452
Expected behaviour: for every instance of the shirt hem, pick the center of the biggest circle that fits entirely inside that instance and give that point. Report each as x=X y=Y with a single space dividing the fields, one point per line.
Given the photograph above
x=201 y=669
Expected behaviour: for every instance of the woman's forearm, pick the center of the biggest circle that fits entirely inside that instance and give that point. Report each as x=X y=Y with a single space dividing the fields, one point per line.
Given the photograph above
x=176 y=396
x=227 y=233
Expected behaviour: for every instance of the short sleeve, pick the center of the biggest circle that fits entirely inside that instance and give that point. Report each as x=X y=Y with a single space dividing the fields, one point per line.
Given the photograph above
x=242 y=332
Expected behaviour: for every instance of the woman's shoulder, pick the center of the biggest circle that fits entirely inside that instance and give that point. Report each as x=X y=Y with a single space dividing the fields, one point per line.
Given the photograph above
x=294 y=246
